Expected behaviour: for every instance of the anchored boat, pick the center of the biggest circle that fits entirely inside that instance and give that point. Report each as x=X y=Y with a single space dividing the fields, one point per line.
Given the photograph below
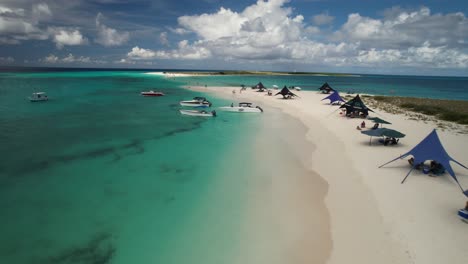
x=242 y=108
x=196 y=102
x=198 y=112
x=151 y=93
x=38 y=97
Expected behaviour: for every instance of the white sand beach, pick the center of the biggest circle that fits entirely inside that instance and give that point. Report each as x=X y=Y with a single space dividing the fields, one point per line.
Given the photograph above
x=372 y=217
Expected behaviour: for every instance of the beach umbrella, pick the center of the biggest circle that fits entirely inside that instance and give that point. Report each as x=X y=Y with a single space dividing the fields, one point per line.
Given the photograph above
x=382 y=132
x=379 y=121
x=392 y=133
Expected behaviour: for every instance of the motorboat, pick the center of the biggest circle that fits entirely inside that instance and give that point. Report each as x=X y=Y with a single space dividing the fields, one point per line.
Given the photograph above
x=151 y=93
x=38 y=97
x=196 y=102
x=275 y=86
x=297 y=88
x=242 y=108
x=198 y=112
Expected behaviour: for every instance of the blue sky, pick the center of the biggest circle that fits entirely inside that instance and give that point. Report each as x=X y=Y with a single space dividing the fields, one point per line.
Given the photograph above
x=381 y=37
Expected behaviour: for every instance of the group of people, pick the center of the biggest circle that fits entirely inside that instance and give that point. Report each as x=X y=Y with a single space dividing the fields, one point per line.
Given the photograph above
x=433 y=169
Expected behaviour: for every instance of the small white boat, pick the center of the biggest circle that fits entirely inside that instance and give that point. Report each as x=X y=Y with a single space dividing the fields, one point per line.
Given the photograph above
x=38 y=97
x=196 y=102
x=297 y=88
x=275 y=86
x=242 y=108
x=151 y=93
x=197 y=112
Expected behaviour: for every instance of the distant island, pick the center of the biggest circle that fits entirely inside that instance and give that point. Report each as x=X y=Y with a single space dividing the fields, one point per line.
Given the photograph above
x=207 y=73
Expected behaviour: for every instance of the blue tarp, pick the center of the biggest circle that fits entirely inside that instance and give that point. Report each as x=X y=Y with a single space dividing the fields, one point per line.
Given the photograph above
x=431 y=148
x=334 y=97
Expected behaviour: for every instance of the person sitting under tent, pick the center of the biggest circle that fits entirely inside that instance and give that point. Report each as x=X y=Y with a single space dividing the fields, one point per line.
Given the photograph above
x=376 y=125
x=436 y=168
x=418 y=166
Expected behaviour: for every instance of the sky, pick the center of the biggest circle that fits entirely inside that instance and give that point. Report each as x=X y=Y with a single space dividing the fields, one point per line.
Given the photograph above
x=368 y=36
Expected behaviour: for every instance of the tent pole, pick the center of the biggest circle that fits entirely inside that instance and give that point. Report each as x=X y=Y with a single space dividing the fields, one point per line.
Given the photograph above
x=401 y=157
x=407 y=175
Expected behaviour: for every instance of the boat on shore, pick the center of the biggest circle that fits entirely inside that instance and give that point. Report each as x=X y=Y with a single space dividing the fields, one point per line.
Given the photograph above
x=198 y=113
x=242 y=108
x=38 y=97
x=152 y=93
x=200 y=102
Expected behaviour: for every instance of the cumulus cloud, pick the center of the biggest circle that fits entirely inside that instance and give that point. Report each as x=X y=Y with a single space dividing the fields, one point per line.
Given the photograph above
x=107 y=36
x=51 y=59
x=70 y=58
x=184 y=51
x=179 y=31
x=41 y=11
x=67 y=37
x=6 y=60
x=404 y=29
x=322 y=19
x=269 y=31
x=163 y=38
x=140 y=53
x=16 y=25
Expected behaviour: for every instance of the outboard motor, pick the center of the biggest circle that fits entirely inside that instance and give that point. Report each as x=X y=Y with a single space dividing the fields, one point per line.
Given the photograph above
x=259 y=108
x=213 y=112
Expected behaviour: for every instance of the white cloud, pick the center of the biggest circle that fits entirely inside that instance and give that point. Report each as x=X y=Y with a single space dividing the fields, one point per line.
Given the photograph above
x=51 y=59
x=70 y=58
x=163 y=38
x=403 y=29
x=140 y=53
x=268 y=31
x=41 y=11
x=6 y=60
x=179 y=31
x=184 y=51
x=107 y=36
x=322 y=19
x=16 y=25
x=67 y=37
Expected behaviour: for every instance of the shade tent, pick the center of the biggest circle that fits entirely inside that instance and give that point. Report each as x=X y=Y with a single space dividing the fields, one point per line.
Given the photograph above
x=326 y=88
x=356 y=105
x=334 y=97
x=430 y=148
x=259 y=86
x=286 y=93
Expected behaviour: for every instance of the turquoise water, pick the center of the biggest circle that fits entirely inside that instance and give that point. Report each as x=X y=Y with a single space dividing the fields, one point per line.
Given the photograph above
x=99 y=174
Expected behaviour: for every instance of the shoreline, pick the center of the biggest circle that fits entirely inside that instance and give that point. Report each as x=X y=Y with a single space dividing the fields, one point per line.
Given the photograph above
x=374 y=218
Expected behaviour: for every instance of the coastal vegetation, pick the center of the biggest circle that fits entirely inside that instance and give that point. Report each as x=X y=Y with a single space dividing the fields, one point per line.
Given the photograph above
x=447 y=110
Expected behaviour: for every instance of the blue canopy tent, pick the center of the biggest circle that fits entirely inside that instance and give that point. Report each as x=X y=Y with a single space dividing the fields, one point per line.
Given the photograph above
x=334 y=97
x=430 y=148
